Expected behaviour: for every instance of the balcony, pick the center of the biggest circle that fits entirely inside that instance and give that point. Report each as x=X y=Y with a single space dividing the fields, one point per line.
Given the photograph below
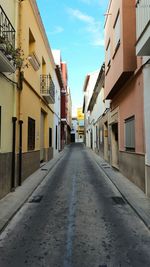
x=143 y=27
x=47 y=89
x=7 y=43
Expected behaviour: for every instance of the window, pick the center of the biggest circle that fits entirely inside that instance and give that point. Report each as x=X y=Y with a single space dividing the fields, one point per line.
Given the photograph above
x=31 y=134
x=108 y=57
x=31 y=43
x=43 y=67
x=130 y=134
x=50 y=137
x=117 y=31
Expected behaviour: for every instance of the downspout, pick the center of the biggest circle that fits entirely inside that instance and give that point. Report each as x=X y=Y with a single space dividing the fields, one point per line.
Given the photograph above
x=20 y=87
x=14 y=119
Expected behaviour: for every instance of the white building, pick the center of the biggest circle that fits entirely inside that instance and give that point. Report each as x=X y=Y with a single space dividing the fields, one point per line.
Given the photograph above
x=97 y=112
x=143 y=49
x=88 y=89
x=96 y=108
x=57 y=106
x=74 y=130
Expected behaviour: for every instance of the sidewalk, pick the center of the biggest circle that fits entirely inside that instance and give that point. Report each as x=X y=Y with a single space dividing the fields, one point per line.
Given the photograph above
x=133 y=195
x=11 y=203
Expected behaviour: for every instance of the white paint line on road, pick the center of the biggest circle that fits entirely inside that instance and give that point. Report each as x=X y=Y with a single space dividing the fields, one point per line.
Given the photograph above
x=71 y=225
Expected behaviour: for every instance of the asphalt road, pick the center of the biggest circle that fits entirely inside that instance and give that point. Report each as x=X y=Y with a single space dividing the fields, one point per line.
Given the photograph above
x=76 y=218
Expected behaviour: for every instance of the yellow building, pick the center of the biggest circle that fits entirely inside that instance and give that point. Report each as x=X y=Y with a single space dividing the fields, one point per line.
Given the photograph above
x=8 y=25
x=80 y=123
x=36 y=96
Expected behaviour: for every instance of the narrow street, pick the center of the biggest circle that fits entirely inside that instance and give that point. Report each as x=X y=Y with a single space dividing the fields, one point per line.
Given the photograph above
x=75 y=218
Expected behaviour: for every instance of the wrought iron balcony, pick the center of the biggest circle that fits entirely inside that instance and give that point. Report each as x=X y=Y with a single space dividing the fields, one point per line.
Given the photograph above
x=143 y=27
x=7 y=43
x=48 y=88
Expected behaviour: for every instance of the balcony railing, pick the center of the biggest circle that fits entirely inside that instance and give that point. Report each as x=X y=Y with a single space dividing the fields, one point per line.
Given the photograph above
x=7 y=43
x=48 y=88
x=142 y=16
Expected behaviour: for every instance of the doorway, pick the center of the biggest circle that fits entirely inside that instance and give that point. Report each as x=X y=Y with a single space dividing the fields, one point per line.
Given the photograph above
x=106 y=141
x=114 y=146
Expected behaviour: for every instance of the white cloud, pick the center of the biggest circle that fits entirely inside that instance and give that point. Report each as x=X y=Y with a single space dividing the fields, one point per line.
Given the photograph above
x=98 y=42
x=57 y=29
x=80 y=16
x=92 y=26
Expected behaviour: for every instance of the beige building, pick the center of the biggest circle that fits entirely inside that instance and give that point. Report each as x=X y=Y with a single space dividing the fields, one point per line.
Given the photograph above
x=27 y=94
x=36 y=97
x=8 y=27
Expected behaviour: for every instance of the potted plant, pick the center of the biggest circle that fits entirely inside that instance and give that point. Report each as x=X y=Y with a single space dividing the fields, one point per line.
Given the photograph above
x=2 y=44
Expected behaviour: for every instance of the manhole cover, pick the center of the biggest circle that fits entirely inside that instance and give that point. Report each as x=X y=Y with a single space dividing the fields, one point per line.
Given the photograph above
x=119 y=200
x=36 y=199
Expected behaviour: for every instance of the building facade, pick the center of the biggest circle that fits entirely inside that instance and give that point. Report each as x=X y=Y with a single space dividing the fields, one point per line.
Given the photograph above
x=37 y=97
x=66 y=108
x=74 y=130
x=57 y=106
x=8 y=88
x=88 y=88
x=80 y=124
x=98 y=117
x=143 y=50
x=124 y=87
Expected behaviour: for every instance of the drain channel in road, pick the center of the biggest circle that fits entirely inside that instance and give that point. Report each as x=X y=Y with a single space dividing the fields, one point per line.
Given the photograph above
x=119 y=200
x=71 y=225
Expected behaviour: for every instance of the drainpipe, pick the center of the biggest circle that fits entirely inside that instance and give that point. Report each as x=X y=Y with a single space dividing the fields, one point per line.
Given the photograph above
x=20 y=87
x=14 y=119
x=20 y=153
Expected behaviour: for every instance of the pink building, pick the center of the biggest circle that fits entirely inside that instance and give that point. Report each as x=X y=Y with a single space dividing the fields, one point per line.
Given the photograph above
x=124 y=87
x=66 y=108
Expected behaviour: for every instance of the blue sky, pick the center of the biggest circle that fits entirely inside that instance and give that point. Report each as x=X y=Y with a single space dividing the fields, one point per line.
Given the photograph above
x=76 y=27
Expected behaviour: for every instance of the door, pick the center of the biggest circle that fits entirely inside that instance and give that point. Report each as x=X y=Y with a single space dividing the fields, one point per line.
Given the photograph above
x=115 y=146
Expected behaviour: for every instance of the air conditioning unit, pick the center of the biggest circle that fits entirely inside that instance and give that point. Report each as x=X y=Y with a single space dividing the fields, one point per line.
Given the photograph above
x=34 y=61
